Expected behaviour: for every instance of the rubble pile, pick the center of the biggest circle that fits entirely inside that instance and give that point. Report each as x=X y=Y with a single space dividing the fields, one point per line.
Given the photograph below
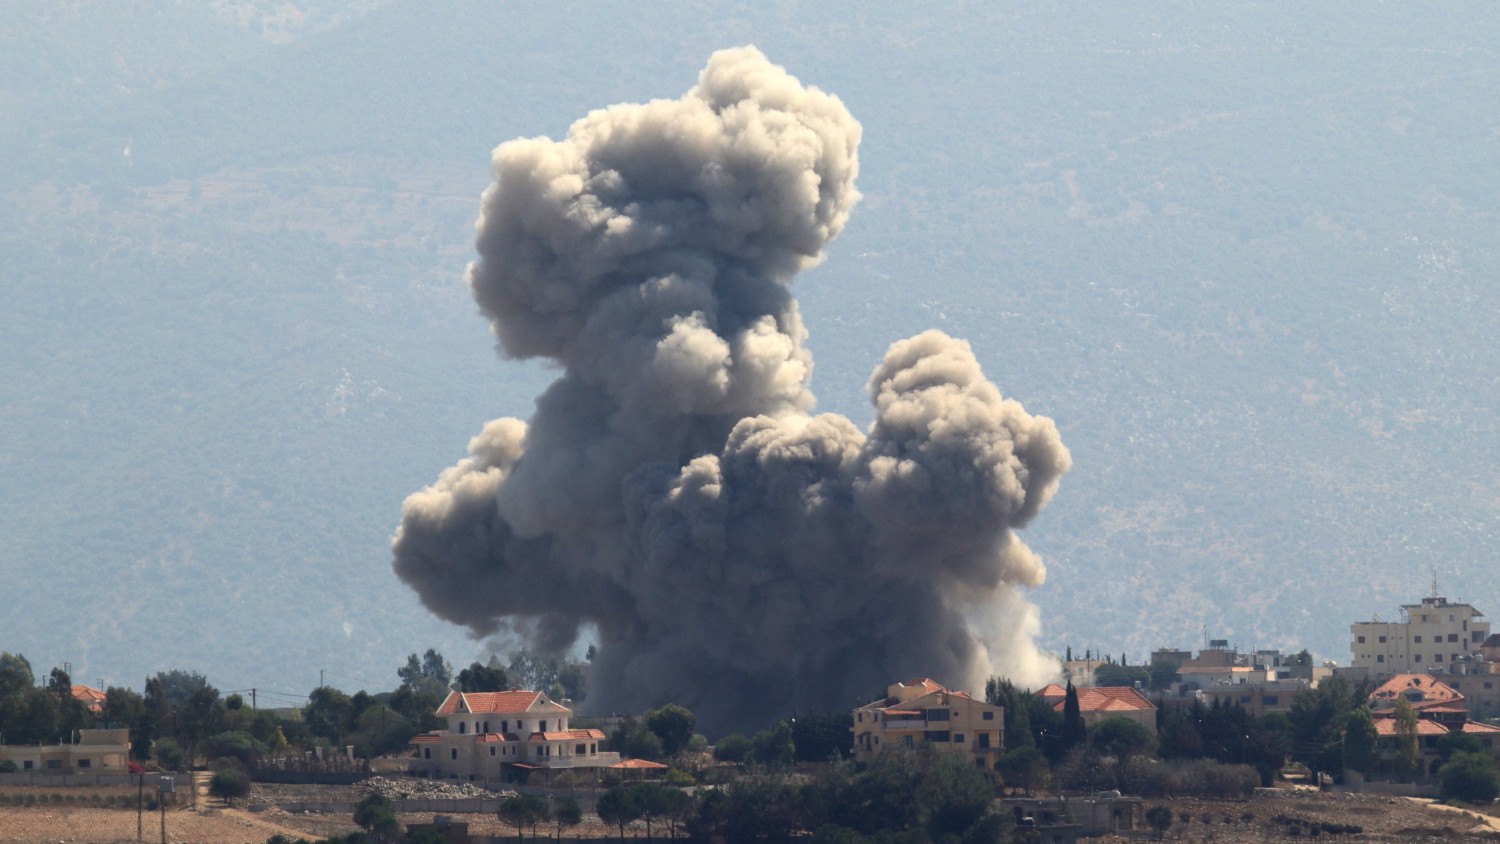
x=423 y=789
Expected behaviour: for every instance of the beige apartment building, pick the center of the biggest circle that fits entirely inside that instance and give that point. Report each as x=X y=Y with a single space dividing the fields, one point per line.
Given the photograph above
x=922 y=714
x=1435 y=636
x=493 y=735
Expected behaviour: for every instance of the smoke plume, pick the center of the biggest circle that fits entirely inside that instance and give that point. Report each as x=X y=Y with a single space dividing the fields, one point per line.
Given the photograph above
x=734 y=554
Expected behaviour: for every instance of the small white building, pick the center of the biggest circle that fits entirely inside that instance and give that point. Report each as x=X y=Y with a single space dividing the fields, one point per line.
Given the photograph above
x=490 y=734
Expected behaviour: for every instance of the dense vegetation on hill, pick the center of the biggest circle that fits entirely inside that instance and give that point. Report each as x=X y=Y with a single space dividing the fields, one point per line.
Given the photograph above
x=1244 y=254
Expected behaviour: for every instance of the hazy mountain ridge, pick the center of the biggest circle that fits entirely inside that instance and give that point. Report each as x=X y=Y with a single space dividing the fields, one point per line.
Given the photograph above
x=1243 y=255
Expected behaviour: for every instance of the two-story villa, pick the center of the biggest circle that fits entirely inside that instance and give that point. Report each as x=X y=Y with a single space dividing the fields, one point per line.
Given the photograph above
x=491 y=733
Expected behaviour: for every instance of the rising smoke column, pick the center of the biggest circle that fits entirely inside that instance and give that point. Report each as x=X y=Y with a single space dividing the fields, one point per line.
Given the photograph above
x=735 y=554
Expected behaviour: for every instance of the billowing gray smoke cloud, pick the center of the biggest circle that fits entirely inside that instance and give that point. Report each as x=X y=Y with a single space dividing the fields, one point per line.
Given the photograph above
x=735 y=554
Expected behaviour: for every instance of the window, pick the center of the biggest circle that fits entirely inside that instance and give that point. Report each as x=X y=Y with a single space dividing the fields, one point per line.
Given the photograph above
x=461 y=727
x=54 y=763
x=84 y=763
x=426 y=753
x=1380 y=658
x=1382 y=640
x=1417 y=639
x=936 y=714
x=1269 y=700
x=486 y=726
x=1416 y=658
x=937 y=735
x=580 y=750
x=1478 y=637
x=1360 y=640
x=26 y=766
x=1489 y=684
x=1453 y=637
x=958 y=738
x=989 y=716
x=543 y=728
x=984 y=740
x=1437 y=657
x=453 y=753
x=505 y=727
x=492 y=751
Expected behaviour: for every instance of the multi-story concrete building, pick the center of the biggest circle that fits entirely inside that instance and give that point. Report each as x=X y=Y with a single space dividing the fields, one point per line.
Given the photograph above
x=491 y=734
x=1434 y=636
x=921 y=713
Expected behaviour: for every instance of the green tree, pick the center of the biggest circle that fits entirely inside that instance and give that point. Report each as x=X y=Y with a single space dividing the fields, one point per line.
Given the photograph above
x=239 y=746
x=1455 y=741
x=329 y=713
x=567 y=814
x=1023 y=768
x=522 y=811
x=1159 y=818
x=1164 y=674
x=1361 y=742
x=1407 y=743
x=376 y=815
x=1074 y=732
x=1014 y=710
x=674 y=725
x=773 y=748
x=429 y=676
x=732 y=748
x=1470 y=777
x=617 y=806
x=1122 y=737
x=15 y=674
x=483 y=678
x=1317 y=720
x=1111 y=674
x=228 y=783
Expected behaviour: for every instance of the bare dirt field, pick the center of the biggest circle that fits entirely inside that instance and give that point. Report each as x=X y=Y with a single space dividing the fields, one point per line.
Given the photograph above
x=1264 y=818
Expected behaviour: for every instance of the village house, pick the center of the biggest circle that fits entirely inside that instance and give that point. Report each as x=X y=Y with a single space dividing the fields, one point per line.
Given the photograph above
x=922 y=714
x=1101 y=702
x=495 y=735
x=93 y=752
x=1440 y=710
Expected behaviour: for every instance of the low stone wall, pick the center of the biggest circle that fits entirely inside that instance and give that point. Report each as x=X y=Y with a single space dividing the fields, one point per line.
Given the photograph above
x=436 y=806
x=75 y=780
x=1398 y=789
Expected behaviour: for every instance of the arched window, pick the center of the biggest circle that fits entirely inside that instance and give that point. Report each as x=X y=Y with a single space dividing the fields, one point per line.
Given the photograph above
x=461 y=726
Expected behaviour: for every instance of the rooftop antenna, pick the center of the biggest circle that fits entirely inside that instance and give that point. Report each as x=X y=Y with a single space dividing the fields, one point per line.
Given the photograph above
x=1434 y=582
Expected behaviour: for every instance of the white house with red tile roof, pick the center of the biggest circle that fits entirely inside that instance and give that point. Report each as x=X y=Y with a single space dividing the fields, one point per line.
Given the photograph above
x=491 y=734
x=1100 y=702
x=90 y=697
x=921 y=713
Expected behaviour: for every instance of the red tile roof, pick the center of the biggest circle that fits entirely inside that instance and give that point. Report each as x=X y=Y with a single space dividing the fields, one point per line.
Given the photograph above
x=1099 y=699
x=425 y=738
x=1432 y=692
x=90 y=697
x=1388 y=727
x=1477 y=727
x=495 y=738
x=498 y=703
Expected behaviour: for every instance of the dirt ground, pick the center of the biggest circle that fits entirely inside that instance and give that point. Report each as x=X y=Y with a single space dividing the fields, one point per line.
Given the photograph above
x=1264 y=818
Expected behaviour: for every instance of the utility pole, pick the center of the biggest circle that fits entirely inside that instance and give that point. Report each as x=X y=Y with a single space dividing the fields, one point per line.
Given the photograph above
x=252 y=700
x=320 y=678
x=140 y=797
